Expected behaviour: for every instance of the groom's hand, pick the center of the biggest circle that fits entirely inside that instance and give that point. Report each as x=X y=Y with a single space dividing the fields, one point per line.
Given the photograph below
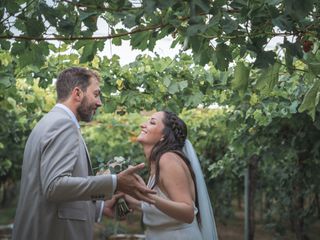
x=129 y=182
x=109 y=205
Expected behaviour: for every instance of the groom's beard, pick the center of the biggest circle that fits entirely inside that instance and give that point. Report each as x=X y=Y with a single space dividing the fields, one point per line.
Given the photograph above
x=85 y=110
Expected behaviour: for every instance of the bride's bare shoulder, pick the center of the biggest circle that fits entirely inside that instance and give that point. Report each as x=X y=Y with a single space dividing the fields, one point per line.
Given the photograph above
x=172 y=165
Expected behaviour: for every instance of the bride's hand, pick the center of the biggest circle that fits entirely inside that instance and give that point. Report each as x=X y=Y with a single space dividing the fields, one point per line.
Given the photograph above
x=133 y=203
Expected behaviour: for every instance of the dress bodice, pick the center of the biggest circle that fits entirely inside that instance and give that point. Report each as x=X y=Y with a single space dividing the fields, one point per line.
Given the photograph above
x=160 y=225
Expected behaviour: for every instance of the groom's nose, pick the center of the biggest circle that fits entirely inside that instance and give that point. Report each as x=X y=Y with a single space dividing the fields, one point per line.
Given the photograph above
x=98 y=102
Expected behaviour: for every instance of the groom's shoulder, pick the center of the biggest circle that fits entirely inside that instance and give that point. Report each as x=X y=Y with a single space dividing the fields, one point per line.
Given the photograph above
x=56 y=114
x=55 y=117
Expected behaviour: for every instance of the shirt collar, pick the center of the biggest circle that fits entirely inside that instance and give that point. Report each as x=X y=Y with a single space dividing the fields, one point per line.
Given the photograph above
x=69 y=112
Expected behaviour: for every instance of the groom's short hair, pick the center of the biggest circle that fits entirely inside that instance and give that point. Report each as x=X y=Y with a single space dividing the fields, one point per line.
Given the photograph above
x=71 y=78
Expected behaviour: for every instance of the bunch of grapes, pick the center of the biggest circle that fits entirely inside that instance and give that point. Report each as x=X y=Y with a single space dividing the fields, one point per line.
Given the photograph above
x=307 y=45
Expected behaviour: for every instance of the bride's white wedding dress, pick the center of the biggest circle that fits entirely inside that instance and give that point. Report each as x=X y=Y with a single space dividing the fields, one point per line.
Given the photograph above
x=160 y=226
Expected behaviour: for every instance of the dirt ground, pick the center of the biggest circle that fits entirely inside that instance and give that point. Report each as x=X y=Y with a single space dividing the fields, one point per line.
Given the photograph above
x=233 y=229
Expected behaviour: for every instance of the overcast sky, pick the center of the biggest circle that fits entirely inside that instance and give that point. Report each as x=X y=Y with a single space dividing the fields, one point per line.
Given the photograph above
x=126 y=53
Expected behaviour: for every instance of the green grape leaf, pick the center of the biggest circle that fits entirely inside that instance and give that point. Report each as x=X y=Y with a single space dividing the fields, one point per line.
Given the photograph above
x=268 y=78
x=311 y=100
x=241 y=78
x=34 y=27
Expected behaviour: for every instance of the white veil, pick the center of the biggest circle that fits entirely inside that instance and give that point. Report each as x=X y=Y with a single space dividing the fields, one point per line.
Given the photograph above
x=208 y=225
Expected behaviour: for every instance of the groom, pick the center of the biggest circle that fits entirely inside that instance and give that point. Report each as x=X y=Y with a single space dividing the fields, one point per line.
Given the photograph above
x=59 y=197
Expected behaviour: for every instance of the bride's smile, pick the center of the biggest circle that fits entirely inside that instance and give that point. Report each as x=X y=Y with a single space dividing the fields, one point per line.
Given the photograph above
x=152 y=130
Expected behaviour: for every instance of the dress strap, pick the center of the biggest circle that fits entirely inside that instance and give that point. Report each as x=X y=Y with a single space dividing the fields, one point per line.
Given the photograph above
x=151 y=181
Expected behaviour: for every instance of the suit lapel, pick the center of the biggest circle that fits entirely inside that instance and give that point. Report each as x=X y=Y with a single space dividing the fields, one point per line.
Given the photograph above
x=90 y=172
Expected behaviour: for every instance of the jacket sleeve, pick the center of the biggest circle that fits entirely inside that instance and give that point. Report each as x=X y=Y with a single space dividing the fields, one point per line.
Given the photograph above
x=59 y=155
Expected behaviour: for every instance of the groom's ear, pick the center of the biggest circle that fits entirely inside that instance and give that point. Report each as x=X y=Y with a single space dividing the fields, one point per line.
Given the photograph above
x=77 y=94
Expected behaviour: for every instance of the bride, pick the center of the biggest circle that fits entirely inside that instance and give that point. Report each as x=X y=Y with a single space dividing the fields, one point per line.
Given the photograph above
x=182 y=208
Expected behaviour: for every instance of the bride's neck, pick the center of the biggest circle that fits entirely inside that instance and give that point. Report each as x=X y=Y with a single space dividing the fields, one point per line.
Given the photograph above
x=147 y=152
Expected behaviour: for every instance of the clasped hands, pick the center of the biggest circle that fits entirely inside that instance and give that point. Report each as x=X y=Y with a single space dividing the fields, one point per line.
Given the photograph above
x=129 y=182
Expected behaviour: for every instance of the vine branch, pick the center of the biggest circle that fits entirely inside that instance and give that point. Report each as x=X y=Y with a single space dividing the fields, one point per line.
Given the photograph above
x=81 y=5
x=61 y=38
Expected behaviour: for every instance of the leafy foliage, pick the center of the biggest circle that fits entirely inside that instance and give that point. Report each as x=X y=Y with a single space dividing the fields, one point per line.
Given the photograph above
x=215 y=31
x=265 y=99
x=219 y=33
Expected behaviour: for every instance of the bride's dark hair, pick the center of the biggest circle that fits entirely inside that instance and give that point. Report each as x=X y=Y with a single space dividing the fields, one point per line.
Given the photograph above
x=174 y=137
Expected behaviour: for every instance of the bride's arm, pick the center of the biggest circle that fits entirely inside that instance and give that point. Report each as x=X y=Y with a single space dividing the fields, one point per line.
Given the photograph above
x=133 y=203
x=176 y=183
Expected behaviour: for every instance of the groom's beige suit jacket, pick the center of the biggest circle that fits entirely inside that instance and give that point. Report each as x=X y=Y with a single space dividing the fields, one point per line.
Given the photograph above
x=59 y=197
